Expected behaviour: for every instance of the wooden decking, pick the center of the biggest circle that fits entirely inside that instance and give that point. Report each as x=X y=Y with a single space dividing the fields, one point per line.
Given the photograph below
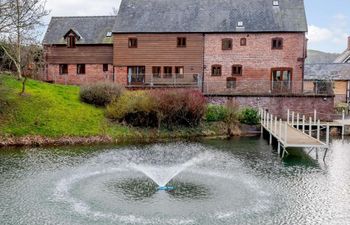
x=339 y=123
x=289 y=136
x=298 y=131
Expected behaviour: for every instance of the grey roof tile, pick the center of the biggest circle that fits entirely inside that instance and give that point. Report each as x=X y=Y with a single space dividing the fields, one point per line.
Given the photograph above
x=327 y=71
x=92 y=29
x=344 y=57
x=205 y=16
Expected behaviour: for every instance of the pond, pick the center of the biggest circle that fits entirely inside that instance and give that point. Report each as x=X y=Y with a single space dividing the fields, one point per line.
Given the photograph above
x=239 y=181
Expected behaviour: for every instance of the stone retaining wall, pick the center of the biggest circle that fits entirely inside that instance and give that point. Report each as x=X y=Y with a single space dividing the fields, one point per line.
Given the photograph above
x=278 y=105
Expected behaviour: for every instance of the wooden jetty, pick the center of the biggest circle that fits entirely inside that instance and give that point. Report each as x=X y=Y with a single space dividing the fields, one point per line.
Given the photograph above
x=299 y=131
x=293 y=133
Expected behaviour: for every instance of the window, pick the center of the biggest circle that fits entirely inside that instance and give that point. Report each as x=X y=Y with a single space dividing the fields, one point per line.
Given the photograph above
x=227 y=44
x=105 y=67
x=281 y=79
x=231 y=82
x=136 y=75
x=237 y=70
x=156 y=71
x=181 y=42
x=63 y=69
x=71 y=41
x=179 y=71
x=168 y=72
x=132 y=43
x=277 y=43
x=216 y=70
x=275 y=3
x=243 y=41
x=81 y=69
x=109 y=34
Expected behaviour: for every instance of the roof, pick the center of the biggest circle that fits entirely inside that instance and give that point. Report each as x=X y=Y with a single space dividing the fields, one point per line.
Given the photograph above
x=92 y=29
x=210 y=16
x=327 y=71
x=344 y=57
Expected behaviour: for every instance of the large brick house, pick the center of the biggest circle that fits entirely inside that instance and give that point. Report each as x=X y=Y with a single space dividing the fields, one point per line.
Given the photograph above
x=222 y=47
x=79 y=50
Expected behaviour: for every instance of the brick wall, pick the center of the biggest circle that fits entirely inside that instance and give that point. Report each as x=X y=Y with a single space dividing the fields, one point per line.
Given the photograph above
x=121 y=75
x=279 y=105
x=257 y=59
x=93 y=73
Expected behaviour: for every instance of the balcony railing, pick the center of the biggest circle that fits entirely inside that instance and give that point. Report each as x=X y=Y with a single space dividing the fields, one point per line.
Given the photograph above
x=233 y=86
x=175 y=80
x=266 y=87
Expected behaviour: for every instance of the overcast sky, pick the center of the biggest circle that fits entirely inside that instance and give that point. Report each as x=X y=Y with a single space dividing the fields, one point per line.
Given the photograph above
x=329 y=20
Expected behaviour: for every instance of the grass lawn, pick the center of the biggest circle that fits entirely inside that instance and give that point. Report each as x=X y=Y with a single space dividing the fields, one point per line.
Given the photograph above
x=54 y=111
x=50 y=110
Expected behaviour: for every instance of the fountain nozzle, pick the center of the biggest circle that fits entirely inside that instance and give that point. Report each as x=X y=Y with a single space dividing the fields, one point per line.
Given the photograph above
x=166 y=188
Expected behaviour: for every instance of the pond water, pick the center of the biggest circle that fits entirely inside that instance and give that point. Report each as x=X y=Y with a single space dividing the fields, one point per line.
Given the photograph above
x=240 y=181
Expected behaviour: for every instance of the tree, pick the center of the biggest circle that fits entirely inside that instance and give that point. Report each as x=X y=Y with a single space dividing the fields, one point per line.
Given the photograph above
x=4 y=15
x=24 y=18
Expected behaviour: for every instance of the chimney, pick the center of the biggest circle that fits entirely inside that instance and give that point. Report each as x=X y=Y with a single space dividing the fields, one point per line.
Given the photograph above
x=349 y=43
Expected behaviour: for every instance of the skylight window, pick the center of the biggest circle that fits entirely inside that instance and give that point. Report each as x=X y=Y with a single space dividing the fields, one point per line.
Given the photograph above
x=275 y=3
x=240 y=24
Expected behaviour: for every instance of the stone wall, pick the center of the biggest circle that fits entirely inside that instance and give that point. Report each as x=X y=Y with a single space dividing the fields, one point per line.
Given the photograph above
x=257 y=59
x=279 y=105
x=93 y=73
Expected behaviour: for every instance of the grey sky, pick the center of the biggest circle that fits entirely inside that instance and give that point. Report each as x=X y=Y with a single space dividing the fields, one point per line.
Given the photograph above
x=82 y=7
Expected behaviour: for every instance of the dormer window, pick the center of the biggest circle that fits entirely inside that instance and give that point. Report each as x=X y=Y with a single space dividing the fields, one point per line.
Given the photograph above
x=72 y=37
x=275 y=3
x=71 y=41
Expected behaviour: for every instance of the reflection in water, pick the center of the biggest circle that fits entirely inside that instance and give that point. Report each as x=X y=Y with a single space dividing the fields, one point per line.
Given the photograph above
x=141 y=189
x=133 y=189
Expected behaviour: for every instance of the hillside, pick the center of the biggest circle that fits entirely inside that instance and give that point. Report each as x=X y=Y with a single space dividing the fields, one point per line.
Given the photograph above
x=315 y=56
x=52 y=114
x=49 y=110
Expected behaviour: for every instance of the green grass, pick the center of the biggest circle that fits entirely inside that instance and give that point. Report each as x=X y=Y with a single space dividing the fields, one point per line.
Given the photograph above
x=50 y=110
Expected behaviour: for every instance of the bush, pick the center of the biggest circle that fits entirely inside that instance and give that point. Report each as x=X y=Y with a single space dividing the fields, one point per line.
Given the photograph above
x=216 y=113
x=100 y=94
x=179 y=107
x=158 y=107
x=340 y=107
x=249 y=116
x=135 y=108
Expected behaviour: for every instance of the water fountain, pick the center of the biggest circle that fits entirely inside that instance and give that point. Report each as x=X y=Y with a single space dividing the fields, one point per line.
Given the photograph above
x=161 y=175
x=161 y=184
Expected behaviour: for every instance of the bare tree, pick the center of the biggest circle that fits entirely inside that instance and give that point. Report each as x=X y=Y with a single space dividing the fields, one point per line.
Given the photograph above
x=5 y=22
x=25 y=17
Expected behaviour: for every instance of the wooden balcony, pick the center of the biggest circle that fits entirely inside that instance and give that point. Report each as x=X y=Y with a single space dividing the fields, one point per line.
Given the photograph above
x=166 y=81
